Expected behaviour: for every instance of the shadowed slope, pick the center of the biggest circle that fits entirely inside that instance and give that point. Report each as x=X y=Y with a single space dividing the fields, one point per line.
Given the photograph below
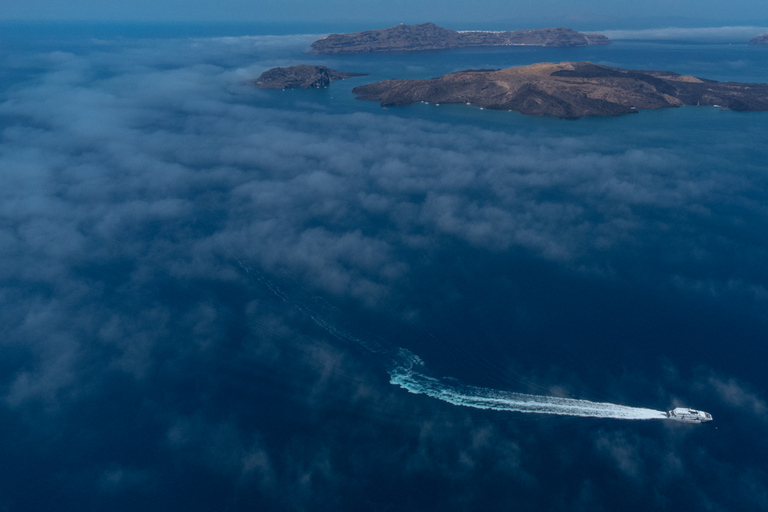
x=302 y=76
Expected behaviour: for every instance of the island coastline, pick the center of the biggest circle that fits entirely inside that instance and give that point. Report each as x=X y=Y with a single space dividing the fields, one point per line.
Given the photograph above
x=568 y=90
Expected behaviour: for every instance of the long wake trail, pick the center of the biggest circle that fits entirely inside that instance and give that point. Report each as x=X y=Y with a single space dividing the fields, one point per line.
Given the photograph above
x=404 y=372
x=405 y=375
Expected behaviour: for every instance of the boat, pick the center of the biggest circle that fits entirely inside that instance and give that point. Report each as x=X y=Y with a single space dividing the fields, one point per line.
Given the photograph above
x=687 y=415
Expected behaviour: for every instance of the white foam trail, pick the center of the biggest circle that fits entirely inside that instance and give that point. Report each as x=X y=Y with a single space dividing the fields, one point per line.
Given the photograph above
x=406 y=377
x=403 y=374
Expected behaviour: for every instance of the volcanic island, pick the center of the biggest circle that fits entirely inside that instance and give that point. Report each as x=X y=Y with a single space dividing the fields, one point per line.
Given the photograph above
x=759 y=40
x=303 y=76
x=430 y=37
x=568 y=90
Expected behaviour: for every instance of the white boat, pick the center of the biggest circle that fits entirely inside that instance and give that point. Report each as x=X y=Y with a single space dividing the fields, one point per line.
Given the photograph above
x=687 y=415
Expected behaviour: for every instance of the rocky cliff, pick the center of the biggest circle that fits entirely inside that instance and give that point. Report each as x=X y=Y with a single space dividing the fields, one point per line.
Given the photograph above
x=299 y=77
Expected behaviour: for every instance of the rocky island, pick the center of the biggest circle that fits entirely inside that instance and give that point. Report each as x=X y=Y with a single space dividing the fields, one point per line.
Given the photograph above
x=568 y=90
x=759 y=40
x=302 y=76
x=428 y=36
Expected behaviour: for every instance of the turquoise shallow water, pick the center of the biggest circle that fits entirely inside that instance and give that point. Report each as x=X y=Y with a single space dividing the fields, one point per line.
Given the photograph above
x=204 y=285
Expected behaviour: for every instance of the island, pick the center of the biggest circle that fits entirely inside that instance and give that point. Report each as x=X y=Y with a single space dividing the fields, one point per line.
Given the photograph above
x=303 y=76
x=759 y=40
x=429 y=37
x=568 y=90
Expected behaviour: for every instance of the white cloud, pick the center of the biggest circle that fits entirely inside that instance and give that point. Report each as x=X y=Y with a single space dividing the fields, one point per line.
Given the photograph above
x=738 y=396
x=136 y=181
x=125 y=164
x=623 y=450
x=740 y=34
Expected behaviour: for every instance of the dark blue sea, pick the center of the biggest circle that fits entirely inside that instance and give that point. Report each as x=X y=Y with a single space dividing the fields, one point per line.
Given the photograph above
x=210 y=294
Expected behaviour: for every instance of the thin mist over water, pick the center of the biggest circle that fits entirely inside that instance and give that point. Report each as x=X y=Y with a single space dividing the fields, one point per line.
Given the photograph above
x=697 y=35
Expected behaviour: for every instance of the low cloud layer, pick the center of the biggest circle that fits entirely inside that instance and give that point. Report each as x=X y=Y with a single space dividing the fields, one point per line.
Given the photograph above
x=738 y=34
x=179 y=253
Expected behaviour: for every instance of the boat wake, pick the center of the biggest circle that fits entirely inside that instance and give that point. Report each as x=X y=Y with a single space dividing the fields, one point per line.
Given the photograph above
x=406 y=370
x=405 y=373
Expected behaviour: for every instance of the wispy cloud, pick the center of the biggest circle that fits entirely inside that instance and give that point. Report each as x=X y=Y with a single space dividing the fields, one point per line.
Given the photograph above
x=737 y=395
x=736 y=34
x=162 y=163
x=138 y=181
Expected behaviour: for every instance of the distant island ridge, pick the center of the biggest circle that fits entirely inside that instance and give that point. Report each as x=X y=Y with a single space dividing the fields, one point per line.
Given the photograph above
x=759 y=40
x=428 y=37
x=568 y=90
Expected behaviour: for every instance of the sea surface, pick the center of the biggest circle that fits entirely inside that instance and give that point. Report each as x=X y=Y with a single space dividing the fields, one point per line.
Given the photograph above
x=214 y=297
